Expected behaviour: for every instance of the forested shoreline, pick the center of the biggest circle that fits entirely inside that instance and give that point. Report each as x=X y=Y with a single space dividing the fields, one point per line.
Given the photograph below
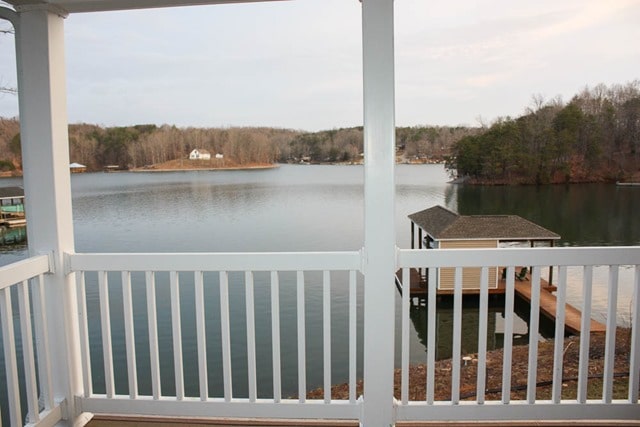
x=144 y=146
x=595 y=137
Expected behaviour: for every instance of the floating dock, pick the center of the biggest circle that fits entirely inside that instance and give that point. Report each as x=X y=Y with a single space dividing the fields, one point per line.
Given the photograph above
x=548 y=301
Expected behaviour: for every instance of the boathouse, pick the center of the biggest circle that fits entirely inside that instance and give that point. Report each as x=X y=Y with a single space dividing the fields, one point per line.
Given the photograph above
x=441 y=228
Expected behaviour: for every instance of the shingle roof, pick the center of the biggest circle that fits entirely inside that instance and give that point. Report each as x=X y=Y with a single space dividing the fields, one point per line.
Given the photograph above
x=443 y=224
x=434 y=220
x=11 y=192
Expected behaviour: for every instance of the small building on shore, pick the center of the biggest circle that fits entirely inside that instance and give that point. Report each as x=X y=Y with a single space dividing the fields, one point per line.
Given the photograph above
x=77 y=168
x=199 y=154
x=439 y=227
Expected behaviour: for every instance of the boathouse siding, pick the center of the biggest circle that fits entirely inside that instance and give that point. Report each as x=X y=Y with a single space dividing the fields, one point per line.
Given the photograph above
x=470 y=275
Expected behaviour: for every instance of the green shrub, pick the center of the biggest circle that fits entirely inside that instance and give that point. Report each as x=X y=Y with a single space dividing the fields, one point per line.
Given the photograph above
x=6 y=165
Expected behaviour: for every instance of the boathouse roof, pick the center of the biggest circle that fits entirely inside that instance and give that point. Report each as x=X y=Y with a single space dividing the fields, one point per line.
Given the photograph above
x=443 y=224
x=11 y=193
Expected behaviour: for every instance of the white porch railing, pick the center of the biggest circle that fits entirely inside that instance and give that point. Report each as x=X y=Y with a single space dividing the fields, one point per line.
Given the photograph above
x=22 y=297
x=120 y=289
x=531 y=408
x=207 y=277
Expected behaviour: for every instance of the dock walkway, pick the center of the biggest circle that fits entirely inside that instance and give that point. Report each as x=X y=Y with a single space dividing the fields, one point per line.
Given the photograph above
x=549 y=305
x=548 y=301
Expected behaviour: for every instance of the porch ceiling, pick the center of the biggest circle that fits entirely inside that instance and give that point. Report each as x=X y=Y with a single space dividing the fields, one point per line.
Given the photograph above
x=75 y=6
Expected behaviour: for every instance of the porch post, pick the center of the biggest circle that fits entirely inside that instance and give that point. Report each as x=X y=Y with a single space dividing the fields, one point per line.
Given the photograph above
x=47 y=184
x=379 y=225
x=413 y=237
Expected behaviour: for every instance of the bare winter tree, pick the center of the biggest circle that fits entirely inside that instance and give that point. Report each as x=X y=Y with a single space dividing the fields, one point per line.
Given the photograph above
x=7 y=89
x=3 y=88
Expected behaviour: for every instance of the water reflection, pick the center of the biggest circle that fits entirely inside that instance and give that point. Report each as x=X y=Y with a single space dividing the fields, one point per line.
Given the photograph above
x=470 y=324
x=584 y=215
x=13 y=237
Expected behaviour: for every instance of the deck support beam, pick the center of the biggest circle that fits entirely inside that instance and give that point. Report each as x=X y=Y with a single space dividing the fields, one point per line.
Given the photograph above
x=379 y=196
x=47 y=184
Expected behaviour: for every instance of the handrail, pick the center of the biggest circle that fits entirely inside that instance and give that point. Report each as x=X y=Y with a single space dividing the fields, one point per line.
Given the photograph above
x=23 y=270
x=616 y=255
x=224 y=264
x=240 y=261
x=190 y=271
x=36 y=377
x=465 y=261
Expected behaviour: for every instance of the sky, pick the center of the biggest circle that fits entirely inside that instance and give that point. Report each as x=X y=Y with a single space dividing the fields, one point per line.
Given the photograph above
x=298 y=64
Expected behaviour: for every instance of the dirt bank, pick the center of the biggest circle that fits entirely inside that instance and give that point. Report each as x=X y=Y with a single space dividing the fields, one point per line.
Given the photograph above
x=519 y=373
x=191 y=165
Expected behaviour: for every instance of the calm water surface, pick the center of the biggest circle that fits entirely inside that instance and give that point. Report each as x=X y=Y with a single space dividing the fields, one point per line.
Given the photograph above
x=301 y=208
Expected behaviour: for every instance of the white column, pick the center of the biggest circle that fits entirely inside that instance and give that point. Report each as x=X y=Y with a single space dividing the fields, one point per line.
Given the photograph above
x=47 y=183
x=379 y=231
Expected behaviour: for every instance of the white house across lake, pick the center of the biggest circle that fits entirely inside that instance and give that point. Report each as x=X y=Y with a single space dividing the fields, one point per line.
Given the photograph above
x=199 y=154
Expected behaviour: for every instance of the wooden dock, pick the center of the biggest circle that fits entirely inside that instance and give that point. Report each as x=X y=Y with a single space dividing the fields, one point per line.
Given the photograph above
x=548 y=307
x=548 y=301
x=13 y=222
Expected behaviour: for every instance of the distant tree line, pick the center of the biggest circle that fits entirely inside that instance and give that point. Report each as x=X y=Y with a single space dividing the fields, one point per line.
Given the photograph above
x=594 y=137
x=9 y=145
x=146 y=145
x=433 y=142
x=417 y=143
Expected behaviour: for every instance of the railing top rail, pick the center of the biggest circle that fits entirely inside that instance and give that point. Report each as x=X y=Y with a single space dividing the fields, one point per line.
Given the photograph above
x=350 y=260
x=198 y=261
x=23 y=270
x=612 y=255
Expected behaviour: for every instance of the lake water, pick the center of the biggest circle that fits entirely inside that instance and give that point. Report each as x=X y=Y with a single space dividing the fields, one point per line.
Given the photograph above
x=302 y=208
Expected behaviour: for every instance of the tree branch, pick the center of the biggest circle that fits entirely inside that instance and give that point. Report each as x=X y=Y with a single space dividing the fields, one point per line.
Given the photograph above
x=10 y=90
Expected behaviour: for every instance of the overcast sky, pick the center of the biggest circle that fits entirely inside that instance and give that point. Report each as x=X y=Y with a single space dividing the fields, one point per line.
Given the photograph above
x=298 y=64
